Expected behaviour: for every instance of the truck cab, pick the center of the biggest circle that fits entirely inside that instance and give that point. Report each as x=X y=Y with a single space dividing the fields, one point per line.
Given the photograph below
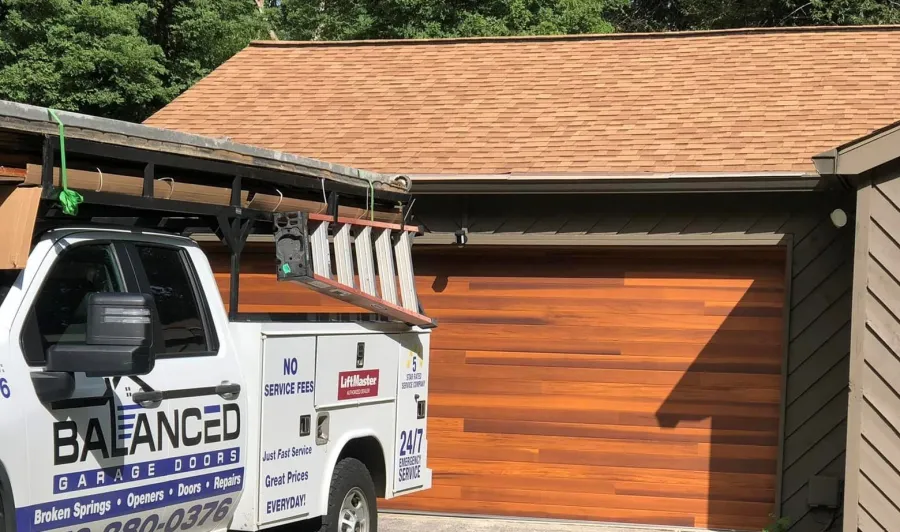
x=134 y=400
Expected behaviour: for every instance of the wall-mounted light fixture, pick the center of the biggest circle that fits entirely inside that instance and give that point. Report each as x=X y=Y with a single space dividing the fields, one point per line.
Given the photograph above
x=839 y=218
x=462 y=237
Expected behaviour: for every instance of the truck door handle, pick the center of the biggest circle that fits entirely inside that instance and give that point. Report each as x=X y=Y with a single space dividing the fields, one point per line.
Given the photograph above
x=225 y=390
x=230 y=390
x=153 y=396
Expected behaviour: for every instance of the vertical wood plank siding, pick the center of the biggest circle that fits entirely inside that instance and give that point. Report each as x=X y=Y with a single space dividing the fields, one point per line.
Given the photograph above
x=817 y=365
x=874 y=466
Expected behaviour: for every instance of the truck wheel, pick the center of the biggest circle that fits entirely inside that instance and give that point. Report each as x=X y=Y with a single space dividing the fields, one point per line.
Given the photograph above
x=352 y=505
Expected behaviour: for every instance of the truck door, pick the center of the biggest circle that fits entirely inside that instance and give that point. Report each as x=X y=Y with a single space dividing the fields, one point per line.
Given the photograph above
x=159 y=452
x=411 y=472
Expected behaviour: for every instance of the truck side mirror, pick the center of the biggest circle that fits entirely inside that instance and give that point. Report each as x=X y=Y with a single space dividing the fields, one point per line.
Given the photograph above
x=119 y=340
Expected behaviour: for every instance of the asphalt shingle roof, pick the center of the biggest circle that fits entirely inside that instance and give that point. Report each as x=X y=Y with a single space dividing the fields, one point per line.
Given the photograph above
x=732 y=101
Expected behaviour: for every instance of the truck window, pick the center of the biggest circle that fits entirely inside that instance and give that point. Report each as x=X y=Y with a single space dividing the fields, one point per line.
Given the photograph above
x=176 y=299
x=59 y=313
x=7 y=280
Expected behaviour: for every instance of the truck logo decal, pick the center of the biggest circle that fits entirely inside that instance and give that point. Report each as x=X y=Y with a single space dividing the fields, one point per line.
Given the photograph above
x=357 y=384
x=111 y=504
x=186 y=427
x=137 y=471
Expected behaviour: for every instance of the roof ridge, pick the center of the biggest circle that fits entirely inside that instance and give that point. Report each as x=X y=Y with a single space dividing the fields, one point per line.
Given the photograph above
x=582 y=37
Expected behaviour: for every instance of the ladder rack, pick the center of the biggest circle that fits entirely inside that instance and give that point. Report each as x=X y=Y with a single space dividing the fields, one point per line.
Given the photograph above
x=138 y=176
x=306 y=243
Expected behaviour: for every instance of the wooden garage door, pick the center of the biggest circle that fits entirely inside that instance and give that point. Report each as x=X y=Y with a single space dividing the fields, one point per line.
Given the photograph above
x=620 y=385
x=636 y=386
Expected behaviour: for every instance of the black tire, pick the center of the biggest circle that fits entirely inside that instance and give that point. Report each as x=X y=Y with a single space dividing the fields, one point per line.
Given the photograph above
x=348 y=474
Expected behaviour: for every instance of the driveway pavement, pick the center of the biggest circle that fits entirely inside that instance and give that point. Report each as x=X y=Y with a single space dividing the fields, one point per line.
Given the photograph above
x=416 y=523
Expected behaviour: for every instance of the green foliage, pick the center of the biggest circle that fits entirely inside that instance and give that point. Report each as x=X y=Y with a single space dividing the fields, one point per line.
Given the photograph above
x=117 y=58
x=380 y=19
x=848 y=12
x=777 y=524
x=87 y=56
x=652 y=15
x=196 y=36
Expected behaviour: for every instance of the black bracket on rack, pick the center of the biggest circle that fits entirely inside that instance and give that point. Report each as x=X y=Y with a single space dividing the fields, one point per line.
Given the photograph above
x=333 y=207
x=235 y=232
x=293 y=256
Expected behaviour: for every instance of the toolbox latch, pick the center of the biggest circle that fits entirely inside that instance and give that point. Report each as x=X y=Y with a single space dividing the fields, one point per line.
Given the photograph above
x=420 y=408
x=305 y=425
x=360 y=355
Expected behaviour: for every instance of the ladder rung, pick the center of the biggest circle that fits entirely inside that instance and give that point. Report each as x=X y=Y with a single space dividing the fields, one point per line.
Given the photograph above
x=365 y=261
x=320 y=250
x=343 y=255
x=405 y=272
x=386 y=274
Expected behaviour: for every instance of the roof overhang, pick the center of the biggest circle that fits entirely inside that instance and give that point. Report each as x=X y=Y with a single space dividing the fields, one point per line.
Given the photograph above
x=37 y=120
x=862 y=155
x=569 y=183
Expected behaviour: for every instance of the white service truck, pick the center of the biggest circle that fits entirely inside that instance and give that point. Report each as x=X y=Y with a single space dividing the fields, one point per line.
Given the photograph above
x=132 y=401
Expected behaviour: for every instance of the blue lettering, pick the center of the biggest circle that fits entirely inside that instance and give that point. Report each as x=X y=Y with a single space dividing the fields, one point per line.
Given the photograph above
x=285 y=503
x=290 y=366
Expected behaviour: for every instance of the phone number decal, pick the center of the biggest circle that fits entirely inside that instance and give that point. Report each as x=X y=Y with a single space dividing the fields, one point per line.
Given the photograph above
x=77 y=512
x=180 y=519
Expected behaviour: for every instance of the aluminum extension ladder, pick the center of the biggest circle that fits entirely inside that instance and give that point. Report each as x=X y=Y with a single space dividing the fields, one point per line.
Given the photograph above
x=304 y=251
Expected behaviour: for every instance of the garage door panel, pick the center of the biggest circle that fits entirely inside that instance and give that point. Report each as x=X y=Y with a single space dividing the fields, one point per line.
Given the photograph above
x=591 y=403
x=613 y=432
x=449 y=468
x=631 y=293
x=543 y=482
x=445 y=301
x=769 y=309
x=571 y=339
x=662 y=461
x=638 y=350
x=701 y=395
x=446 y=424
x=547 y=442
x=700 y=490
x=688 y=379
x=509 y=452
x=600 y=417
x=565 y=317
x=446 y=357
x=727 y=362
x=705 y=393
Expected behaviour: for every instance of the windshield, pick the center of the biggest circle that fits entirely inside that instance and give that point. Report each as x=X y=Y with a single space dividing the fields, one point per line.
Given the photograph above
x=7 y=279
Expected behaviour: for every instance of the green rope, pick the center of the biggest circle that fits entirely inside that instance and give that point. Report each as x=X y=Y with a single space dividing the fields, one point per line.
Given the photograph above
x=69 y=199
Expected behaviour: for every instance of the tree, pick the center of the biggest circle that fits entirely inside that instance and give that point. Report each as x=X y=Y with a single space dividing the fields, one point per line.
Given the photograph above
x=84 y=56
x=653 y=15
x=117 y=58
x=845 y=12
x=380 y=19
x=196 y=36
